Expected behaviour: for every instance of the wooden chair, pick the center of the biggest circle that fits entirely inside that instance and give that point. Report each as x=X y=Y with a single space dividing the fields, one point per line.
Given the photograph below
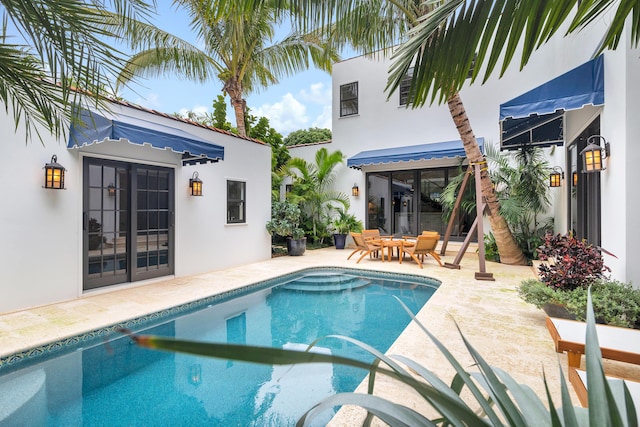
x=364 y=246
x=423 y=245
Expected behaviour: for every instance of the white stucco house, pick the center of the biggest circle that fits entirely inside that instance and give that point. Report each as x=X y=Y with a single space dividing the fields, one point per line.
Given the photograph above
x=401 y=158
x=126 y=214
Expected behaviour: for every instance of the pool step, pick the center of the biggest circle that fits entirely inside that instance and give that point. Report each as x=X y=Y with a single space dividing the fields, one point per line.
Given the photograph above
x=326 y=283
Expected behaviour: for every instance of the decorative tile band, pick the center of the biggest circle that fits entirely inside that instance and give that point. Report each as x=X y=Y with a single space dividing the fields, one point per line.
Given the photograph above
x=92 y=337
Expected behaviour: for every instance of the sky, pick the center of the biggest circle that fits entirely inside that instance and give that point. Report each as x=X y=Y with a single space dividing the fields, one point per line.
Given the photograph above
x=298 y=102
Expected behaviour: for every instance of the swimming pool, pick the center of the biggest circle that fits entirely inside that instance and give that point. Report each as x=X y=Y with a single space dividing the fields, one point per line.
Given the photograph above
x=101 y=378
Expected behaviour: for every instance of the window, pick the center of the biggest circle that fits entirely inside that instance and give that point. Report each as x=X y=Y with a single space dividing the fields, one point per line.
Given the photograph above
x=349 y=99
x=236 y=195
x=405 y=85
x=536 y=130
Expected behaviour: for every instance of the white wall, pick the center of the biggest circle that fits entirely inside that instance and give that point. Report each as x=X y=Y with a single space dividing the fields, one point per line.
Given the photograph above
x=41 y=230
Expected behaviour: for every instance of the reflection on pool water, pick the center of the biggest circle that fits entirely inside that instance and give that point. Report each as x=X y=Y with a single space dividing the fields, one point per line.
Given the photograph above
x=111 y=381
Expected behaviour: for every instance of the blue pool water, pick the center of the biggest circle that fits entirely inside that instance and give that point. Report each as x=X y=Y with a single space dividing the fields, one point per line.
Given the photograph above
x=103 y=379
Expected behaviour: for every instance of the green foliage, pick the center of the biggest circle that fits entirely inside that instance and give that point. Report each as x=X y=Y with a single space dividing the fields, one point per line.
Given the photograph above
x=573 y=263
x=312 y=189
x=219 y=116
x=521 y=182
x=285 y=220
x=344 y=222
x=491 y=248
x=501 y=399
x=307 y=136
x=614 y=303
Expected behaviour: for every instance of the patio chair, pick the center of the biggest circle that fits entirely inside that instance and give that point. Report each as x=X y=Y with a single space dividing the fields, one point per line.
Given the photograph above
x=364 y=246
x=423 y=245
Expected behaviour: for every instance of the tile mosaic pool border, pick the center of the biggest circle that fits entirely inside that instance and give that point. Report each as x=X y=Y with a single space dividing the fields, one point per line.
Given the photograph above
x=89 y=338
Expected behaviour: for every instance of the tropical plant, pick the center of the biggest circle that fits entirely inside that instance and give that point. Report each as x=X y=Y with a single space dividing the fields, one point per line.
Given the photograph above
x=312 y=188
x=234 y=48
x=573 y=263
x=343 y=222
x=56 y=54
x=614 y=303
x=285 y=220
x=501 y=399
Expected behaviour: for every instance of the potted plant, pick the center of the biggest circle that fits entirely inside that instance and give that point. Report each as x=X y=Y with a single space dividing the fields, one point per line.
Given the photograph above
x=342 y=224
x=285 y=222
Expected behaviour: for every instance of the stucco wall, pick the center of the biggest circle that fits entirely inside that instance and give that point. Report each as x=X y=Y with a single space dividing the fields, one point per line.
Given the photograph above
x=41 y=230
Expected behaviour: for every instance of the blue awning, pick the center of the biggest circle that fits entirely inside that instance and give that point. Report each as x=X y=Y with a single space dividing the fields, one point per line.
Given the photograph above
x=584 y=85
x=436 y=150
x=95 y=128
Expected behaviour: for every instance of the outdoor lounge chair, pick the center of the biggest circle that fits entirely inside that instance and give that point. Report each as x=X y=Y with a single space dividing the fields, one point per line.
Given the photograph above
x=364 y=246
x=622 y=344
x=423 y=245
x=578 y=379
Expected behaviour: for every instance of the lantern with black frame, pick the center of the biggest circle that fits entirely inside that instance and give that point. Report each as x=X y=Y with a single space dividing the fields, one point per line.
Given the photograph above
x=195 y=184
x=594 y=153
x=54 y=174
x=556 y=176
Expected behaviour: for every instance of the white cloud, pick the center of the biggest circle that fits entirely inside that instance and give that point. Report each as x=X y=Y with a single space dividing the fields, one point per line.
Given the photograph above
x=324 y=119
x=198 y=109
x=151 y=101
x=285 y=116
x=318 y=93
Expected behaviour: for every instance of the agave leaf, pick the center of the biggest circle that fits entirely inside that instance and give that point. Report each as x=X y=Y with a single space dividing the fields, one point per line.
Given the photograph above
x=529 y=403
x=568 y=411
x=555 y=417
x=391 y=413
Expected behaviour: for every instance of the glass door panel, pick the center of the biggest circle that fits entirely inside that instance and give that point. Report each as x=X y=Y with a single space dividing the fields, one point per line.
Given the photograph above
x=432 y=183
x=402 y=187
x=378 y=202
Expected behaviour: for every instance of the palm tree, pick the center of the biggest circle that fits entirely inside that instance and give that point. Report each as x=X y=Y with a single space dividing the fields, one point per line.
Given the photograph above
x=313 y=183
x=234 y=48
x=54 y=54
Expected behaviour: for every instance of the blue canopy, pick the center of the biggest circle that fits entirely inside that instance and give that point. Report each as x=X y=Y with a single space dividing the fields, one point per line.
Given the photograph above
x=572 y=90
x=436 y=150
x=95 y=128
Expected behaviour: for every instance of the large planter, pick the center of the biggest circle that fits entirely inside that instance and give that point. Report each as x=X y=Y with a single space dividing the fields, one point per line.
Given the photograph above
x=558 y=311
x=296 y=247
x=339 y=240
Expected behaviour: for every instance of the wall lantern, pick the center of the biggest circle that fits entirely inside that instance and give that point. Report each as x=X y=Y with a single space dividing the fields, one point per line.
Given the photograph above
x=195 y=184
x=594 y=153
x=54 y=174
x=111 y=190
x=556 y=177
x=575 y=179
x=355 y=191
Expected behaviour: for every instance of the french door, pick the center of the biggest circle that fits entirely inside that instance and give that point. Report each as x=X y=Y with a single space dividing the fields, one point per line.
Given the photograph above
x=128 y=230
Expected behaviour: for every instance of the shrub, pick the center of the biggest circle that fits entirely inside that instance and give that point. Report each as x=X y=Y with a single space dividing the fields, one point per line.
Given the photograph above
x=614 y=303
x=573 y=263
x=491 y=248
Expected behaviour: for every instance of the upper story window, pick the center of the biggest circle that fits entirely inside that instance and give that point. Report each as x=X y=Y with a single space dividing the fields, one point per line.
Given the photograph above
x=405 y=85
x=236 y=202
x=349 y=99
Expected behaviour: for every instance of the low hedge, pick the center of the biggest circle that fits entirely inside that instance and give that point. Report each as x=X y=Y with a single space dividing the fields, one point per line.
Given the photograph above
x=614 y=303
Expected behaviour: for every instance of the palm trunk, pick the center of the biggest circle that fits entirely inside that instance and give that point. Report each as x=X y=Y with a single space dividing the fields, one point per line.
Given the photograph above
x=234 y=89
x=510 y=252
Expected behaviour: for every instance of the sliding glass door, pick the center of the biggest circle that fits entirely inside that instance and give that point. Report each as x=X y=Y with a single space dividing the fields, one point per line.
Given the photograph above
x=128 y=222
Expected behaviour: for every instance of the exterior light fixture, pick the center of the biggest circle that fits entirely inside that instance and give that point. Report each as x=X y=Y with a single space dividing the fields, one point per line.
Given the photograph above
x=195 y=184
x=54 y=174
x=594 y=153
x=556 y=177
x=355 y=191
x=111 y=189
x=575 y=179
